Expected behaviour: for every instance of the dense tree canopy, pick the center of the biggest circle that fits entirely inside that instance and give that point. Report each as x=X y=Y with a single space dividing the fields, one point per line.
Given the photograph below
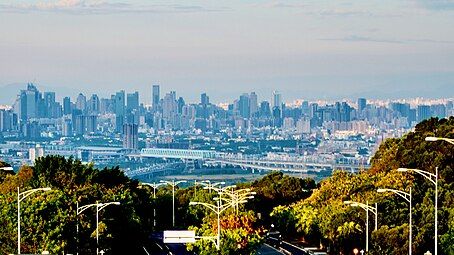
x=323 y=216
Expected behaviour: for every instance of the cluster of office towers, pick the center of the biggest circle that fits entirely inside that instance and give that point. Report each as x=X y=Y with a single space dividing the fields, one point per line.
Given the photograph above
x=35 y=115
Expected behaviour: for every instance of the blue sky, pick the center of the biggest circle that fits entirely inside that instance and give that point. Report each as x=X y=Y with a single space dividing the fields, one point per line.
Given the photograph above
x=306 y=49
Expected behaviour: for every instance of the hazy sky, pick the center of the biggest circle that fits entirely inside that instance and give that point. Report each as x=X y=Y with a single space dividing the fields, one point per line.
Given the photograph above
x=306 y=49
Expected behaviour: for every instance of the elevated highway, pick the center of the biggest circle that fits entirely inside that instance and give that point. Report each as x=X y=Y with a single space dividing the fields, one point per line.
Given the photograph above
x=291 y=164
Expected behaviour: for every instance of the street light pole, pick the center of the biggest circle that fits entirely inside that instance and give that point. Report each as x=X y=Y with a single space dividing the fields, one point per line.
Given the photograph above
x=368 y=209
x=434 y=179
x=434 y=139
x=173 y=183
x=20 y=197
x=99 y=207
x=407 y=197
x=217 y=209
x=155 y=186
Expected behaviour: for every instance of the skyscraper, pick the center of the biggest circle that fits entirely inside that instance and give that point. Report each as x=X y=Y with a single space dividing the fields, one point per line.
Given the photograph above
x=253 y=105
x=130 y=136
x=93 y=104
x=66 y=105
x=28 y=103
x=120 y=103
x=244 y=106
x=49 y=103
x=423 y=112
x=361 y=104
x=204 y=99
x=81 y=102
x=155 y=98
x=132 y=102
x=277 y=100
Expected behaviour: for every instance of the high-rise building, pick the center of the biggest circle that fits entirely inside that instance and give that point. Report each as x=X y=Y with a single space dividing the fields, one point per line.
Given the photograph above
x=93 y=105
x=438 y=110
x=277 y=100
x=204 y=99
x=66 y=105
x=119 y=110
x=362 y=102
x=155 y=98
x=120 y=103
x=49 y=104
x=67 y=128
x=423 y=112
x=130 y=136
x=169 y=106
x=8 y=120
x=265 y=110
x=81 y=102
x=28 y=103
x=253 y=105
x=132 y=102
x=79 y=125
x=244 y=106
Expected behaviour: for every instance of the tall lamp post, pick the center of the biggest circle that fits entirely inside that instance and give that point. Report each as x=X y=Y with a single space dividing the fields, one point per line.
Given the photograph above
x=217 y=209
x=434 y=179
x=431 y=177
x=407 y=197
x=155 y=186
x=99 y=207
x=368 y=209
x=20 y=197
x=173 y=183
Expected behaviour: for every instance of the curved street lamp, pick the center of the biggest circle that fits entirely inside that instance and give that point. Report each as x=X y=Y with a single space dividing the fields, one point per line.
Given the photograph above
x=434 y=179
x=20 y=197
x=155 y=186
x=173 y=183
x=368 y=209
x=217 y=209
x=430 y=177
x=407 y=197
x=99 y=207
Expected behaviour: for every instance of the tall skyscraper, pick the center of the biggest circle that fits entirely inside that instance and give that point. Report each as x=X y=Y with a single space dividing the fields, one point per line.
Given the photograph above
x=132 y=102
x=277 y=100
x=423 y=112
x=93 y=104
x=49 y=104
x=28 y=103
x=155 y=98
x=119 y=110
x=253 y=105
x=265 y=110
x=120 y=103
x=244 y=106
x=66 y=105
x=130 y=136
x=361 y=104
x=81 y=102
x=204 y=99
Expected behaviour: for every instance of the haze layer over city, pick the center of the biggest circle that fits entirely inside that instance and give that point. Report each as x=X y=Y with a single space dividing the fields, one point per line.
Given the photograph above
x=240 y=127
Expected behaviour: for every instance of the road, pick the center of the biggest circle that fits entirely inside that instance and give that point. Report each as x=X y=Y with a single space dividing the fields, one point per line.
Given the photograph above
x=268 y=250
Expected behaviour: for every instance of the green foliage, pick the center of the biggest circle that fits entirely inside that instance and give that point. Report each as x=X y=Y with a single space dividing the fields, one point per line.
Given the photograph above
x=49 y=220
x=324 y=215
x=239 y=234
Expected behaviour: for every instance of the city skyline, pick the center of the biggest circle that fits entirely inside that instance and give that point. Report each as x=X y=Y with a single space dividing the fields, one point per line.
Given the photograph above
x=307 y=49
